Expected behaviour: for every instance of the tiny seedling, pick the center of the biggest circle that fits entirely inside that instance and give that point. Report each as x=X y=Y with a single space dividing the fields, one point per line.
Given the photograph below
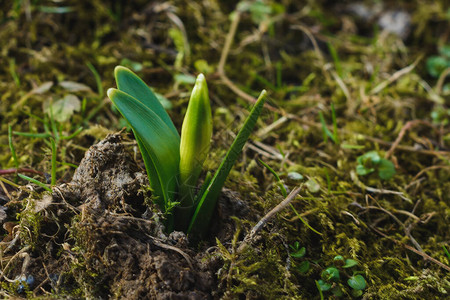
x=437 y=64
x=371 y=162
x=326 y=132
x=52 y=135
x=332 y=275
x=298 y=254
x=174 y=163
x=284 y=193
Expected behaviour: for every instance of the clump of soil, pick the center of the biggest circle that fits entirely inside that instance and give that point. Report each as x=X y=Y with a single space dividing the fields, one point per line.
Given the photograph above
x=113 y=245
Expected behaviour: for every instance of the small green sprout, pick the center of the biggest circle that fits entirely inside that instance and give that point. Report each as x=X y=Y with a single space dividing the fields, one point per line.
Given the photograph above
x=299 y=253
x=174 y=163
x=371 y=162
x=331 y=278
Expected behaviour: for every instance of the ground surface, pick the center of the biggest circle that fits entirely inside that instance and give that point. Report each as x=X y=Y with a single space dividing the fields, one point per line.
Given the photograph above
x=358 y=117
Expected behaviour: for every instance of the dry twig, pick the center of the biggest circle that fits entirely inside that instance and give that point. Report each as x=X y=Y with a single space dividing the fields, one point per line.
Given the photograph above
x=251 y=235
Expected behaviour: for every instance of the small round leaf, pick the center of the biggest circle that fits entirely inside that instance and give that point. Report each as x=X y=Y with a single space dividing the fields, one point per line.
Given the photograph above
x=350 y=263
x=357 y=282
x=303 y=267
x=324 y=286
x=331 y=273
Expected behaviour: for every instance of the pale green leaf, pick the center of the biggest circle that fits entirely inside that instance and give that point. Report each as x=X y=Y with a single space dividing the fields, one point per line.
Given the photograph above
x=195 y=142
x=64 y=108
x=73 y=86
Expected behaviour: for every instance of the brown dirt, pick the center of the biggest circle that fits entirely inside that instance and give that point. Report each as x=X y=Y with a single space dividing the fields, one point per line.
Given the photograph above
x=114 y=245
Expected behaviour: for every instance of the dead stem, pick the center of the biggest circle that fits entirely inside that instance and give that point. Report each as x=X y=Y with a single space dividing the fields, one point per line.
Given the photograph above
x=251 y=235
x=395 y=76
x=441 y=80
x=407 y=126
x=169 y=247
x=421 y=253
x=356 y=180
x=428 y=169
x=160 y=244
x=409 y=148
x=5 y=190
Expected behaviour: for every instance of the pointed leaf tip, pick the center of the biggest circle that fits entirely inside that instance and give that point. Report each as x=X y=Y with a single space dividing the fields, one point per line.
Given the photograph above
x=119 y=69
x=110 y=93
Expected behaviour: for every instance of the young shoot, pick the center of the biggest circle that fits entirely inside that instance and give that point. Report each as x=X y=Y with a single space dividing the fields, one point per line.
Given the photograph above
x=174 y=163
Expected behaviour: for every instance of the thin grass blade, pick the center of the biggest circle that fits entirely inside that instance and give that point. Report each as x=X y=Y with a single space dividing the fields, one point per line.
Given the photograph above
x=203 y=212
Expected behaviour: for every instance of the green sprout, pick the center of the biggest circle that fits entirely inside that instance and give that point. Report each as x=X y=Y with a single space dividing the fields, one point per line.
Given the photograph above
x=331 y=278
x=371 y=162
x=174 y=163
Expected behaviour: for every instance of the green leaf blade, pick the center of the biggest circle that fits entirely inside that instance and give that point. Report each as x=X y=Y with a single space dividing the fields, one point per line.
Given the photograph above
x=202 y=215
x=129 y=83
x=195 y=142
x=158 y=143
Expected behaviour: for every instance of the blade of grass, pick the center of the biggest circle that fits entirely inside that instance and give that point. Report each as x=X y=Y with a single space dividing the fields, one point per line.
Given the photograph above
x=71 y=136
x=203 y=212
x=303 y=221
x=37 y=182
x=335 y=131
x=11 y=147
x=53 y=180
x=13 y=72
x=33 y=135
x=98 y=79
x=326 y=132
x=280 y=183
x=7 y=181
x=446 y=252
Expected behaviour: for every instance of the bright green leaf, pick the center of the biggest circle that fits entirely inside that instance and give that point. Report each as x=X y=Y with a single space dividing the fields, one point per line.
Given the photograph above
x=196 y=135
x=299 y=253
x=371 y=156
x=357 y=282
x=303 y=267
x=131 y=84
x=361 y=170
x=324 y=286
x=386 y=169
x=158 y=143
x=330 y=274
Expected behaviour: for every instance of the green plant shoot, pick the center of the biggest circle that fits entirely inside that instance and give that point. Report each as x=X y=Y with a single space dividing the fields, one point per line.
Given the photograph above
x=174 y=164
x=196 y=135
